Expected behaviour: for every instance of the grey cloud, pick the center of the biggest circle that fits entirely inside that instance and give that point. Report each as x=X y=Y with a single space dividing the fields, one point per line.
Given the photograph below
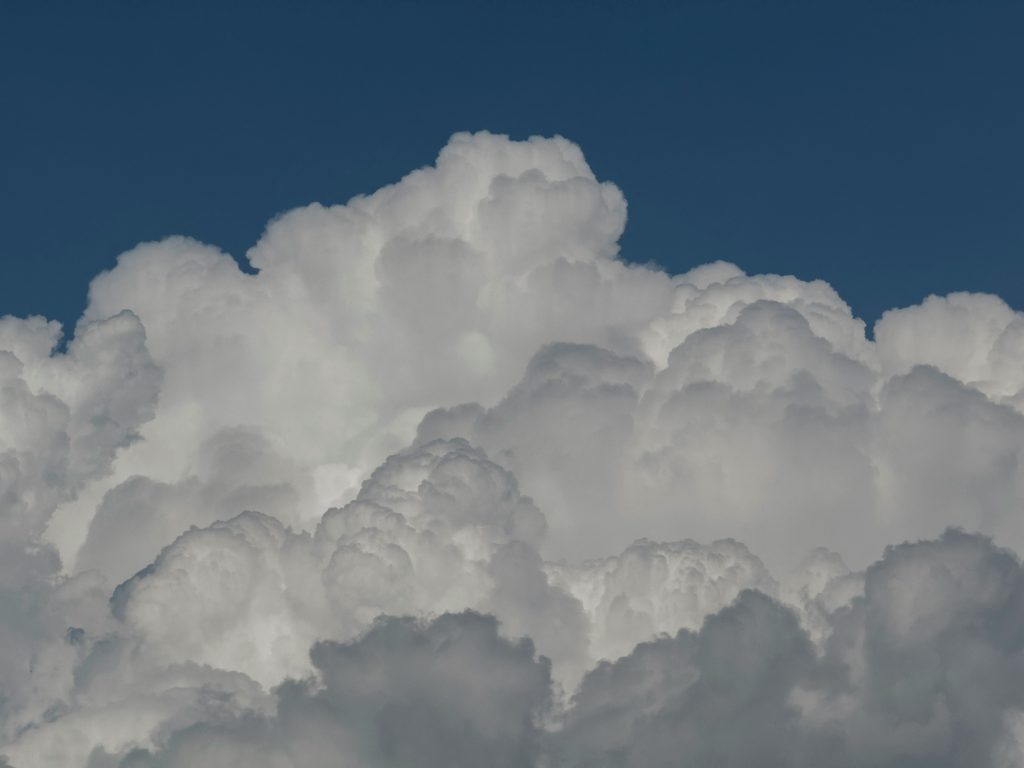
x=657 y=588
x=718 y=697
x=450 y=693
x=238 y=469
x=923 y=669
x=973 y=337
x=63 y=418
x=758 y=429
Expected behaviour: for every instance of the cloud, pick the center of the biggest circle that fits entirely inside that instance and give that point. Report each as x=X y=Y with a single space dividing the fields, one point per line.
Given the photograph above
x=656 y=588
x=921 y=669
x=488 y=286
x=63 y=416
x=973 y=337
x=451 y=395
x=925 y=666
x=449 y=693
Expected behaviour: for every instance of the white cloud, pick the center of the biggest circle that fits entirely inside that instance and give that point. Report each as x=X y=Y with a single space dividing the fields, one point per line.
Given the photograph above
x=452 y=395
x=973 y=337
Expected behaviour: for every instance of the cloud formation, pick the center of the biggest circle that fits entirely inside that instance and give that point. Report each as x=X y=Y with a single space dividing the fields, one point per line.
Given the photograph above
x=923 y=668
x=923 y=673
x=445 y=482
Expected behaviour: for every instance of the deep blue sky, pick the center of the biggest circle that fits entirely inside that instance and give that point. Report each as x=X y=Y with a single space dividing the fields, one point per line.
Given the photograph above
x=877 y=145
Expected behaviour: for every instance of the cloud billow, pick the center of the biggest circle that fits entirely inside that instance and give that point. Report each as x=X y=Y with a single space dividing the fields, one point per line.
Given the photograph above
x=445 y=482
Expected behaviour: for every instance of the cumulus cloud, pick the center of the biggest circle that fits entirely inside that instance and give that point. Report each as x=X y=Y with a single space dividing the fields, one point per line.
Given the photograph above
x=450 y=693
x=928 y=672
x=243 y=515
x=973 y=337
x=62 y=418
x=656 y=588
x=922 y=668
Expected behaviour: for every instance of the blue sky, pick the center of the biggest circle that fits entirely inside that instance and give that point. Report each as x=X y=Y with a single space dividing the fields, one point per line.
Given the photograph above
x=879 y=146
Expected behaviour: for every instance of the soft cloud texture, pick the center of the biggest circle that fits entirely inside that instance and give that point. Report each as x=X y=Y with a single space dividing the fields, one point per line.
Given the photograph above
x=445 y=482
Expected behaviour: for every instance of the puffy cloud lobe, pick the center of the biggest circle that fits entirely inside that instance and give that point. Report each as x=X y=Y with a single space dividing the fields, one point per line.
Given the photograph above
x=973 y=337
x=719 y=697
x=450 y=693
x=237 y=469
x=658 y=588
x=818 y=587
x=572 y=410
x=943 y=644
x=738 y=409
x=715 y=436
x=62 y=418
x=435 y=528
x=922 y=669
x=945 y=448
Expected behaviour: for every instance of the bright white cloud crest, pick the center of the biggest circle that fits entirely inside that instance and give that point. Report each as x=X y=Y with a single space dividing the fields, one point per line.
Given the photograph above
x=427 y=490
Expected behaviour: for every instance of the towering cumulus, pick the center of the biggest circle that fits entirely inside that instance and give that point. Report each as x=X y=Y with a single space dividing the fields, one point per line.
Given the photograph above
x=442 y=482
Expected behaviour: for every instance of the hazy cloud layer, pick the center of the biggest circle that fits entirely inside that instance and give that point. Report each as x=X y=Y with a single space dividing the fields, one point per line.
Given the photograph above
x=446 y=483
